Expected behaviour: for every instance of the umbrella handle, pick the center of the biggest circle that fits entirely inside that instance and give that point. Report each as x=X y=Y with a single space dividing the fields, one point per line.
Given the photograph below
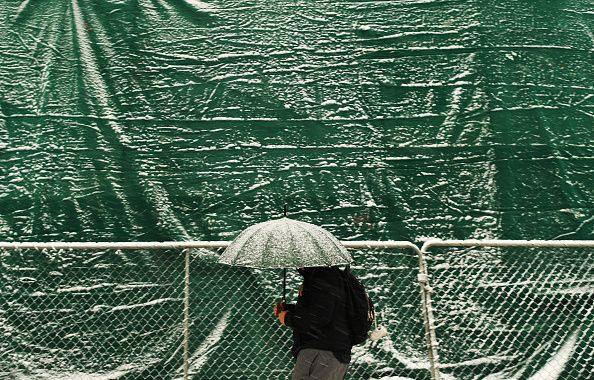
x=285 y=284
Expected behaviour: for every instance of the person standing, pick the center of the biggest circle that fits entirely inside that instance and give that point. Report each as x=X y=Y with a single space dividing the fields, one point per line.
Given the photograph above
x=321 y=335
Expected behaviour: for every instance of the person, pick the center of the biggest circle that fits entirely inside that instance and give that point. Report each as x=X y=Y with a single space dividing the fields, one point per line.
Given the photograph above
x=321 y=335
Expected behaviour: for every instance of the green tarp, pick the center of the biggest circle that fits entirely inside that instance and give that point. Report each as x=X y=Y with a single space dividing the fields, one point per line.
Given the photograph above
x=142 y=120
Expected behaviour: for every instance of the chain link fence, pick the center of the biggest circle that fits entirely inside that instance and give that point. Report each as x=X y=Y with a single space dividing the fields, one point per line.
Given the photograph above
x=68 y=314
x=119 y=314
x=514 y=313
x=241 y=339
x=125 y=314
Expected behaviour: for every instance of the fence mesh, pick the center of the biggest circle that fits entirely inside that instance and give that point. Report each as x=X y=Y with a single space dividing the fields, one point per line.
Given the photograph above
x=514 y=313
x=97 y=315
x=120 y=315
x=72 y=314
x=235 y=335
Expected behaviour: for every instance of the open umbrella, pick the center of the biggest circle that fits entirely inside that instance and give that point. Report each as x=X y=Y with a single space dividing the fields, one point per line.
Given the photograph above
x=285 y=243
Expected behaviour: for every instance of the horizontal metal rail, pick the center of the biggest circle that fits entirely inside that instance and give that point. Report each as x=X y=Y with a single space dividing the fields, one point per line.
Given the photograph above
x=380 y=244
x=388 y=244
x=508 y=243
x=361 y=244
x=116 y=245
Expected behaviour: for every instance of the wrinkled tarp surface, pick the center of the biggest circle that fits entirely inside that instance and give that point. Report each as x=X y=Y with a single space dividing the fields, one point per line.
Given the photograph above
x=143 y=120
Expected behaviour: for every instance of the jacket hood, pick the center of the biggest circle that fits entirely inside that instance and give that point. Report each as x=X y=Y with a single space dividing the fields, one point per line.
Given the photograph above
x=309 y=270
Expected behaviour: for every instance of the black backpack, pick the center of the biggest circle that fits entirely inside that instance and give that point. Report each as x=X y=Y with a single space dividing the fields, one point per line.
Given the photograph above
x=360 y=310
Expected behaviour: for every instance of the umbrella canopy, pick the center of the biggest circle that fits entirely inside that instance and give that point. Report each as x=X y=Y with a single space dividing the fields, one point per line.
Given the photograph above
x=285 y=243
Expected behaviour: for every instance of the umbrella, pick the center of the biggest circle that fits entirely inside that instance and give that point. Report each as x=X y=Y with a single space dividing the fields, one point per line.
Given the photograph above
x=285 y=243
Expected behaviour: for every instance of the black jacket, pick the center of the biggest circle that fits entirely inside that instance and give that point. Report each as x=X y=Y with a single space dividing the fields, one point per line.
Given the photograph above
x=319 y=319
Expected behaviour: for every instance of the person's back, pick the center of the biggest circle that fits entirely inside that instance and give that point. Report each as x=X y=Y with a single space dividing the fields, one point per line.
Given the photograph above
x=321 y=336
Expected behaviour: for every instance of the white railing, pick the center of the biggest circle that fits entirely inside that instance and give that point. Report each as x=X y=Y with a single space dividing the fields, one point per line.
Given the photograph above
x=424 y=275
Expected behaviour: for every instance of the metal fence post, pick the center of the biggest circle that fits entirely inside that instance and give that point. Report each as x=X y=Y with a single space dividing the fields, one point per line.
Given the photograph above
x=425 y=290
x=187 y=315
x=428 y=319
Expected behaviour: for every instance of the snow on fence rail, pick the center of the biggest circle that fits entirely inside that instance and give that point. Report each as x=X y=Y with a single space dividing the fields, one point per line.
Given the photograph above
x=155 y=310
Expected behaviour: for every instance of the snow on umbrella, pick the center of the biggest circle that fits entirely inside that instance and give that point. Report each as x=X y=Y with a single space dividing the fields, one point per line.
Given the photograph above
x=285 y=243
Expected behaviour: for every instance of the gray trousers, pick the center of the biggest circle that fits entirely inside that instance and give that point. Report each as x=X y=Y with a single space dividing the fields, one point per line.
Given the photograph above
x=318 y=364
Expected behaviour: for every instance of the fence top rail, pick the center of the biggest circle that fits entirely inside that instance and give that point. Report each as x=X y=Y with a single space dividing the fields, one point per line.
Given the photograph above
x=360 y=244
x=179 y=245
x=508 y=243
x=379 y=244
